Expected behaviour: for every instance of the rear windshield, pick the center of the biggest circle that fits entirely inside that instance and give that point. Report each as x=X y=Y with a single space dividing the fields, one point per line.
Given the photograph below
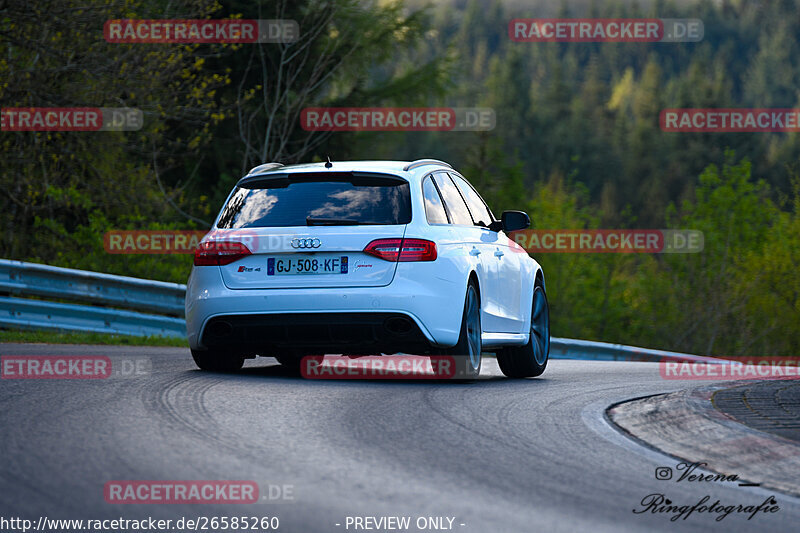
x=303 y=200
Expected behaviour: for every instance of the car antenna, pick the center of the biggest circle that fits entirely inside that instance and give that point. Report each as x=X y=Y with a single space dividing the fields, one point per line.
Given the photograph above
x=328 y=164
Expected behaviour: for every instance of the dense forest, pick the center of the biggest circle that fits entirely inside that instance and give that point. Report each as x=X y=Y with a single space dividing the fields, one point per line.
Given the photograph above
x=577 y=142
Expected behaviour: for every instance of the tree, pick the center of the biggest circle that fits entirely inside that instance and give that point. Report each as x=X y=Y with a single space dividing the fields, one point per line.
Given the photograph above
x=53 y=183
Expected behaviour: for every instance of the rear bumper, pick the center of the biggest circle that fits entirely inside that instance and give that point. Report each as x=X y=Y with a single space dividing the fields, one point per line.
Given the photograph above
x=315 y=333
x=347 y=320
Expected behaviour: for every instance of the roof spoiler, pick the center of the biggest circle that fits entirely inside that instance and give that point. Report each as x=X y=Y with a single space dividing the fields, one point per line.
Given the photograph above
x=283 y=179
x=266 y=167
x=423 y=162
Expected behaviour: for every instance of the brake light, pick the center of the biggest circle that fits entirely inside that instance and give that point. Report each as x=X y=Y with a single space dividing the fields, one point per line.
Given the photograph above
x=402 y=249
x=219 y=253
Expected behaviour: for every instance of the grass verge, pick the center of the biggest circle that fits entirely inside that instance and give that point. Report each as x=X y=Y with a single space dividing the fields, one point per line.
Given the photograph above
x=54 y=337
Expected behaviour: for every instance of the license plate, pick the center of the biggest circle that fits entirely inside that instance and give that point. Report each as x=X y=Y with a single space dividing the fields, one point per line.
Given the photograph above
x=307 y=265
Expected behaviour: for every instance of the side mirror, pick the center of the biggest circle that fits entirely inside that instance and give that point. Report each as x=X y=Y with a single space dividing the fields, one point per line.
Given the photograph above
x=515 y=220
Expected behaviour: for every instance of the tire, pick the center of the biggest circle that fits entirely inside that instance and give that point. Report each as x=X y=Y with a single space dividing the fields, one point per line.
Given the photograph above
x=530 y=360
x=467 y=351
x=216 y=361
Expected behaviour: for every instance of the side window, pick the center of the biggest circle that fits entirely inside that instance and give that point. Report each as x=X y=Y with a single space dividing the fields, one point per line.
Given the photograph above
x=434 y=209
x=480 y=213
x=459 y=214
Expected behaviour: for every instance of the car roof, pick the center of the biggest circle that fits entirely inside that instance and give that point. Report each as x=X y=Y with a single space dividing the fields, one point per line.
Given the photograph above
x=402 y=168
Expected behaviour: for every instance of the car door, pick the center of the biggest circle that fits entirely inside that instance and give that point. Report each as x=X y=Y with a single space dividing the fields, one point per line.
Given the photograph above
x=474 y=248
x=506 y=285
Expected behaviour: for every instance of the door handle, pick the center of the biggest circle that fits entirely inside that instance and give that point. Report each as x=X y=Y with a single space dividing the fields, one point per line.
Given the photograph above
x=475 y=252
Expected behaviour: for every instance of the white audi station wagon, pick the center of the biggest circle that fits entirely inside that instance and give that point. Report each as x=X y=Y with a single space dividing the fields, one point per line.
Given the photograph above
x=365 y=258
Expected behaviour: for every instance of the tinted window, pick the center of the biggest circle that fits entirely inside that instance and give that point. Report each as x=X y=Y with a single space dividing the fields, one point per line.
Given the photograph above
x=434 y=209
x=452 y=199
x=480 y=213
x=287 y=202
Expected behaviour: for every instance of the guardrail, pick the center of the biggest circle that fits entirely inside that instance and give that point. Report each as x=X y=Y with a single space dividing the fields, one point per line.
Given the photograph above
x=32 y=279
x=22 y=313
x=561 y=348
x=108 y=292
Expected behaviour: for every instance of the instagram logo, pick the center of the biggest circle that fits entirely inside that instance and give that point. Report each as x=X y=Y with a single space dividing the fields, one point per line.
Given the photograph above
x=663 y=473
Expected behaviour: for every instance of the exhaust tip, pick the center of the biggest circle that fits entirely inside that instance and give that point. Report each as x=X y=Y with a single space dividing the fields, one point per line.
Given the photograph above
x=220 y=329
x=398 y=325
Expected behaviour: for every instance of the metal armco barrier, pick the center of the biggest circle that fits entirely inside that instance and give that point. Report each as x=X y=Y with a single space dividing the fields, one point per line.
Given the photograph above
x=161 y=298
x=603 y=351
x=32 y=279
x=22 y=313
x=105 y=291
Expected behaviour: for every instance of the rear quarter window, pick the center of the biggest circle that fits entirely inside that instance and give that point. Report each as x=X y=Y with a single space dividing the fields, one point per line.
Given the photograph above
x=434 y=208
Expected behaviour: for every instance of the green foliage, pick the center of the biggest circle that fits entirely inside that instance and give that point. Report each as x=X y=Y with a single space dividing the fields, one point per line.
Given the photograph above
x=590 y=111
x=769 y=283
x=60 y=191
x=53 y=337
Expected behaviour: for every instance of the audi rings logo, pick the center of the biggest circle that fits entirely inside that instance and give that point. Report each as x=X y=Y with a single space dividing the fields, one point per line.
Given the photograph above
x=306 y=243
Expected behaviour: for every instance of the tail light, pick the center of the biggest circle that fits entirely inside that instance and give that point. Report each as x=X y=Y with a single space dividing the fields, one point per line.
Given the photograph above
x=219 y=253
x=402 y=249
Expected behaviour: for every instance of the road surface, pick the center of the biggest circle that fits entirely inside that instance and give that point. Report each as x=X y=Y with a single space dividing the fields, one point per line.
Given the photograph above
x=492 y=455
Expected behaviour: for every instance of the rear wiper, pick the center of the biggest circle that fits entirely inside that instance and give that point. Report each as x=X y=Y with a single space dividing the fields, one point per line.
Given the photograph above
x=312 y=221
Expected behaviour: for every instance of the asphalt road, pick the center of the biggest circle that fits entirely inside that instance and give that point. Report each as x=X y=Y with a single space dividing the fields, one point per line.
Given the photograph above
x=498 y=455
x=770 y=406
